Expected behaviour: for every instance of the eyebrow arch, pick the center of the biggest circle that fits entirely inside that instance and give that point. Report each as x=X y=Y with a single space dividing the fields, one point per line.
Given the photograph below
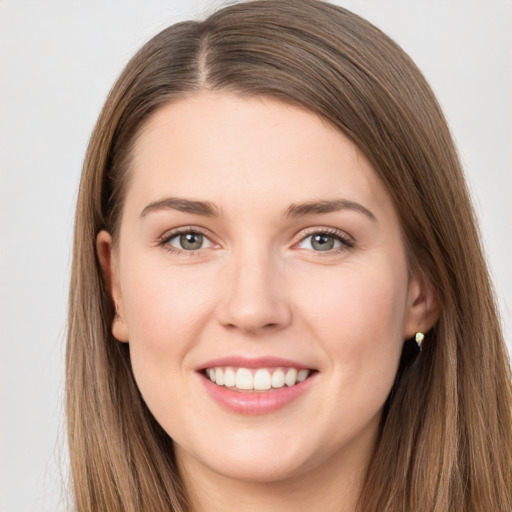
x=204 y=208
x=327 y=206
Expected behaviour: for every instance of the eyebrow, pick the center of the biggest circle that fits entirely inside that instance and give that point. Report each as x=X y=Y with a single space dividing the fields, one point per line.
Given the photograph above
x=208 y=209
x=333 y=205
x=204 y=208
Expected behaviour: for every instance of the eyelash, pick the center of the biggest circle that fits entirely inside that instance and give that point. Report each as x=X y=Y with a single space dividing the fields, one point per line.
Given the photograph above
x=345 y=242
x=164 y=241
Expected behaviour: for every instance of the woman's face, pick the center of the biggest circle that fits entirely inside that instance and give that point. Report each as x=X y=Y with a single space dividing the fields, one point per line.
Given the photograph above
x=258 y=248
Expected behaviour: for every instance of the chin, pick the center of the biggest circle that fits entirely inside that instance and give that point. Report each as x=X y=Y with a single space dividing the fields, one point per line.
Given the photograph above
x=259 y=470
x=258 y=461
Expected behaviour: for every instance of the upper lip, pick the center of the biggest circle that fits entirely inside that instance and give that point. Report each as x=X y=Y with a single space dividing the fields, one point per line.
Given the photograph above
x=252 y=363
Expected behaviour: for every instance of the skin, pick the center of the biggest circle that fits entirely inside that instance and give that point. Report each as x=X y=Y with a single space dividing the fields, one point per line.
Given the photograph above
x=258 y=287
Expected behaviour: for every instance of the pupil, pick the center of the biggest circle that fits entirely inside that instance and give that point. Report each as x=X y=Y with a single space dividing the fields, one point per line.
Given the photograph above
x=191 y=241
x=322 y=242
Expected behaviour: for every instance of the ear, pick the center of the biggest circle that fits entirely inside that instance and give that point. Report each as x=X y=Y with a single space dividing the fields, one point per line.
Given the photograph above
x=422 y=306
x=110 y=268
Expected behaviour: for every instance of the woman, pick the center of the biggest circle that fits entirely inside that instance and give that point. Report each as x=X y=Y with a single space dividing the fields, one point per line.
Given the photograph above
x=278 y=297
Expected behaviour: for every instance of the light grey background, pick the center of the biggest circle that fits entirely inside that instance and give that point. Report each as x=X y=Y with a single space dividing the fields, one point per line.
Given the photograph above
x=58 y=60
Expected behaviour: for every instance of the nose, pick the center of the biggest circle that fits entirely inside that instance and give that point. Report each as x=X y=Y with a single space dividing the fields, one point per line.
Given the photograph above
x=253 y=295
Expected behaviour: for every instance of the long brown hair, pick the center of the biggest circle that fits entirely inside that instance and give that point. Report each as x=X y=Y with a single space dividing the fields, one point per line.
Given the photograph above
x=445 y=441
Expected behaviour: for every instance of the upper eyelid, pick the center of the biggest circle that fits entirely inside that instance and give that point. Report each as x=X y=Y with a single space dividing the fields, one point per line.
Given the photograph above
x=171 y=233
x=346 y=241
x=324 y=230
x=164 y=240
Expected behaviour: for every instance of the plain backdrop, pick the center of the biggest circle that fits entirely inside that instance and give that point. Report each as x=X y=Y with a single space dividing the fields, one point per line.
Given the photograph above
x=58 y=60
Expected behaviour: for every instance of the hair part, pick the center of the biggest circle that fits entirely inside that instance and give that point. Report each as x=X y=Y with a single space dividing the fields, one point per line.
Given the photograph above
x=445 y=441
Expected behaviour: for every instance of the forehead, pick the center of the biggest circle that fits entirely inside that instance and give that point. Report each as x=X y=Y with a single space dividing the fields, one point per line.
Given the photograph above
x=221 y=147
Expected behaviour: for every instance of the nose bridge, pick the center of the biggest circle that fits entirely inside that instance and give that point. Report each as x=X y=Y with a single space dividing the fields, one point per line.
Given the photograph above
x=254 y=298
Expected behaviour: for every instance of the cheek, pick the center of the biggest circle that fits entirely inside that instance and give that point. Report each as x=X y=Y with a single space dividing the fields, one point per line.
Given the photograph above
x=358 y=314
x=357 y=319
x=165 y=311
x=164 y=305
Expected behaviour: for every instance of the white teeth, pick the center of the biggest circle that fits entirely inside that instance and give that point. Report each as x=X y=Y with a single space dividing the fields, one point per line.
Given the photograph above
x=229 y=378
x=219 y=377
x=291 y=377
x=278 y=378
x=244 y=379
x=261 y=379
x=302 y=375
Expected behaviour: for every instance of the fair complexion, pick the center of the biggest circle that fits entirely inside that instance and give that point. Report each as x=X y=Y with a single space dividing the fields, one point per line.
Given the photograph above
x=255 y=231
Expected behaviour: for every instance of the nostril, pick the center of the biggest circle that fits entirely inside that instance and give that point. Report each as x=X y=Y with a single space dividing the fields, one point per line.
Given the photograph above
x=253 y=328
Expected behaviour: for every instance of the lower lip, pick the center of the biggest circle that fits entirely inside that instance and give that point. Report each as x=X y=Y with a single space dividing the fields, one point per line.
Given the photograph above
x=262 y=402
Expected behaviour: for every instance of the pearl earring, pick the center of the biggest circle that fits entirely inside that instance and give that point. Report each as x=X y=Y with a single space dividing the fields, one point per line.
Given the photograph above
x=419 y=339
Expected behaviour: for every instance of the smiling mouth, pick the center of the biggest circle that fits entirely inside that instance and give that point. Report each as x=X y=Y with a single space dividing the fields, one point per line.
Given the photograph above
x=256 y=380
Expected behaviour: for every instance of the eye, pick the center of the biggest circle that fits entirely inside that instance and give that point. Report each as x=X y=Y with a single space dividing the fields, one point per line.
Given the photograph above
x=324 y=241
x=187 y=241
